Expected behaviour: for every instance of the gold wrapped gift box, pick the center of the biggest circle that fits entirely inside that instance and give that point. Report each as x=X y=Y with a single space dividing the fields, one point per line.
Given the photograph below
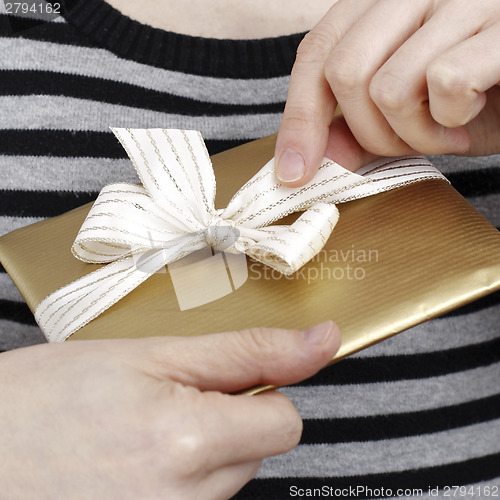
x=394 y=260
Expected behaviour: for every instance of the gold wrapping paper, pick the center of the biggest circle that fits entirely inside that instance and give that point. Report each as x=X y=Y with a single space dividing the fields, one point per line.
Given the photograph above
x=394 y=260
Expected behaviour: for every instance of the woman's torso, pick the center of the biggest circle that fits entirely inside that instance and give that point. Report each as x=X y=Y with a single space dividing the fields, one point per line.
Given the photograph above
x=422 y=408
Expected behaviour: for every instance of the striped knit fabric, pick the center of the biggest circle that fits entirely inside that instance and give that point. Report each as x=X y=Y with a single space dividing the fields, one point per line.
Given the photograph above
x=418 y=411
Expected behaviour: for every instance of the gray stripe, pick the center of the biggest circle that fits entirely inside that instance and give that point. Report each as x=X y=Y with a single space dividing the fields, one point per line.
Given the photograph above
x=19 y=54
x=9 y=291
x=394 y=455
x=450 y=164
x=14 y=335
x=55 y=112
x=440 y=334
x=359 y=400
x=8 y=224
x=488 y=206
x=67 y=174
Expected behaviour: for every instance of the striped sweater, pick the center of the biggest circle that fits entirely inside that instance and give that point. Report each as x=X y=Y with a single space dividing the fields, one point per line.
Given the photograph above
x=418 y=411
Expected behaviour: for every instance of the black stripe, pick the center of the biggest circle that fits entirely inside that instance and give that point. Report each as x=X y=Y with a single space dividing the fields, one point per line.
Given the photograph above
x=154 y=47
x=83 y=87
x=2 y=269
x=60 y=143
x=42 y=31
x=16 y=311
x=41 y=203
x=372 y=428
x=461 y=473
x=65 y=143
x=188 y=54
x=407 y=366
x=491 y=300
x=215 y=146
x=479 y=182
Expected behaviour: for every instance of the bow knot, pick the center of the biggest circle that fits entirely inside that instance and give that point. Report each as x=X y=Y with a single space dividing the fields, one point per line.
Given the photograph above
x=220 y=233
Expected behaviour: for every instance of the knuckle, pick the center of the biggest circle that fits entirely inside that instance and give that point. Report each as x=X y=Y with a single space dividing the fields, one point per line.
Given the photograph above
x=448 y=79
x=389 y=91
x=315 y=46
x=299 y=118
x=345 y=71
x=188 y=449
x=181 y=443
x=259 y=340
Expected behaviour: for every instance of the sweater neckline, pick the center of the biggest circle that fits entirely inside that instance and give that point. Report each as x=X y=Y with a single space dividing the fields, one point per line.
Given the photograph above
x=109 y=28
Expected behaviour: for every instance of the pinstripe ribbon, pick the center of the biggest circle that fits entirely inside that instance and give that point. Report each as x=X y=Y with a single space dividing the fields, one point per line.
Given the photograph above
x=137 y=229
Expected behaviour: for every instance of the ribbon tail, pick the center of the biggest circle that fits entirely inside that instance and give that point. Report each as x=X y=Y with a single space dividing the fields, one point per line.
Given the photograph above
x=287 y=248
x=71 y=307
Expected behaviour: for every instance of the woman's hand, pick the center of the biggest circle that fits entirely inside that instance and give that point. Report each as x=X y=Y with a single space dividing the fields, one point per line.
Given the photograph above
x=151 y=418
x=409 y=76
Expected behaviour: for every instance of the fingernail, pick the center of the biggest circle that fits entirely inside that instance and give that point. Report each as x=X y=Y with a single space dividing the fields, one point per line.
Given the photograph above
x=317 y=334
x=291 y=166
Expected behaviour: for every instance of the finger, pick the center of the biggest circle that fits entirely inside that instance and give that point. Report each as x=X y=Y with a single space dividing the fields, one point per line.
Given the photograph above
x=233 y=361
x=483 y=130
x=400 y=89
x=458 y=79
x=310 y=105
x=344 y=149
x=236 y=429
x=356 y=59
x=225 y=482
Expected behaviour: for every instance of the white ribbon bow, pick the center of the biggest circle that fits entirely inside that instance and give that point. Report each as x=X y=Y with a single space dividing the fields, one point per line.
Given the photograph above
x=173 y=214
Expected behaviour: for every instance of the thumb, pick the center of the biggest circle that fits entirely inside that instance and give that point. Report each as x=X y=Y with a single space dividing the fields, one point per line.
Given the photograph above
x=233 y=361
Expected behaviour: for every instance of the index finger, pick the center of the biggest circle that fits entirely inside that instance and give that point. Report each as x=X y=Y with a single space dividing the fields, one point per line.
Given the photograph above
x=310 y=106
